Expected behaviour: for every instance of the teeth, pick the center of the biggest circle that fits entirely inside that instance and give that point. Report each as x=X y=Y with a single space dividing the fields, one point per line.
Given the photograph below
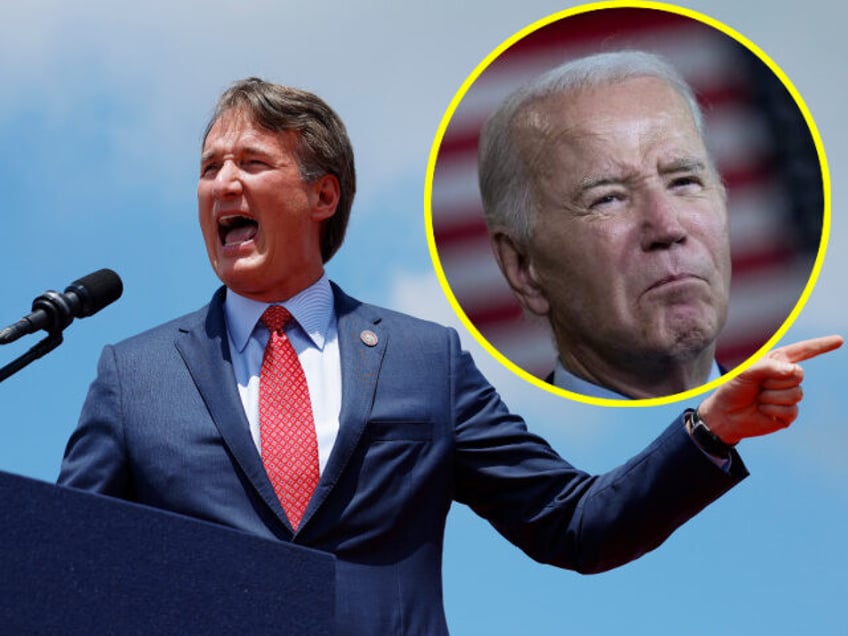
x=234 y=219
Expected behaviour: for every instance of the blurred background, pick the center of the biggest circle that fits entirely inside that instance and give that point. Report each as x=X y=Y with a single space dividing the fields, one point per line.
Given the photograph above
x=103 y=106
x=756 y=132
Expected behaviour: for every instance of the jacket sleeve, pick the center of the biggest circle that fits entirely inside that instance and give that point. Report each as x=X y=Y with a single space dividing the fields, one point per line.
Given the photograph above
x=95 y=457
x=561 y=515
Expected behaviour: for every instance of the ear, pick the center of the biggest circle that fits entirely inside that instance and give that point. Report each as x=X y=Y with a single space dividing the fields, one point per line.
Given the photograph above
x=517 y=268
x=327 y=192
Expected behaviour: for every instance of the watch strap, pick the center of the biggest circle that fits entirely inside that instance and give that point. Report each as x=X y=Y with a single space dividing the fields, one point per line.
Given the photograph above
x=705 y=438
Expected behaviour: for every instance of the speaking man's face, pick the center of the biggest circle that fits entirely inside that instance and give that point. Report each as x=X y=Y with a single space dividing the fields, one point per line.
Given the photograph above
x=260 y=220
x=630 y=250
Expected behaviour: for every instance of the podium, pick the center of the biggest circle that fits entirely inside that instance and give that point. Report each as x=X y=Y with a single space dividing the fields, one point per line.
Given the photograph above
x=77 y=563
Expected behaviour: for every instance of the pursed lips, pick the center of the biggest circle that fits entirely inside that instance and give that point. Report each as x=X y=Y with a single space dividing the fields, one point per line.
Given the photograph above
x=672 y=279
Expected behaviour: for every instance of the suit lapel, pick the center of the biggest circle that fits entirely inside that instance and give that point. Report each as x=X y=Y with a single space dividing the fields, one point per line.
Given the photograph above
x=362 y=344
x=204 y=347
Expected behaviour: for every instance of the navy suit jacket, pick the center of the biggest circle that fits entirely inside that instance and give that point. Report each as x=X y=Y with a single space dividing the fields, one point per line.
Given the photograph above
x=419 y=428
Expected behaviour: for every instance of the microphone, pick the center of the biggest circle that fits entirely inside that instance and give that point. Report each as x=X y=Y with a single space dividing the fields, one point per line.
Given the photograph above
x=53 y=311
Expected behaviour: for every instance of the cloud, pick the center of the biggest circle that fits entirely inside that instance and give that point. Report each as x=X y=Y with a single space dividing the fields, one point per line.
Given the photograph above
x=166 y=61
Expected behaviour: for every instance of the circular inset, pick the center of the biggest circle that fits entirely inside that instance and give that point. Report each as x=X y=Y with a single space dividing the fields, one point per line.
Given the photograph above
x=758 y=134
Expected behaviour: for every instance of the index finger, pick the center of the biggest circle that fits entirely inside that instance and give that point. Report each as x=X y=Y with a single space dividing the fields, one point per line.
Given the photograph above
x=806 y=349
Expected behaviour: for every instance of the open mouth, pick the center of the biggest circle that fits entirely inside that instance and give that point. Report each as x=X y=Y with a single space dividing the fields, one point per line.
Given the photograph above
x=236 y=229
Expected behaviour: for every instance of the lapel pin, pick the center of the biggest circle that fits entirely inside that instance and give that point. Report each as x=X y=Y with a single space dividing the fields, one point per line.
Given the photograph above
x=369 y=338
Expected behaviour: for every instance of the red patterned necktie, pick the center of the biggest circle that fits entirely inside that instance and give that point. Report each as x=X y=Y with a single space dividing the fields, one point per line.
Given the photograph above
x=287 y=429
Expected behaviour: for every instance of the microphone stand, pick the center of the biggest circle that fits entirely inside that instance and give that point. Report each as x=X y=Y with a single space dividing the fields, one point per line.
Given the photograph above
x=40 y=349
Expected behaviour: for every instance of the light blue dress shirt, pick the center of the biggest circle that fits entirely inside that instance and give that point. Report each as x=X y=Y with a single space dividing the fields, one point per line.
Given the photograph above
x=314 y=338
x=564 y=379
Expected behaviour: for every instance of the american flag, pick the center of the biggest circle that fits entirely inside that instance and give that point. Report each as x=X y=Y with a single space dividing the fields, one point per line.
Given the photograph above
x=757 y=132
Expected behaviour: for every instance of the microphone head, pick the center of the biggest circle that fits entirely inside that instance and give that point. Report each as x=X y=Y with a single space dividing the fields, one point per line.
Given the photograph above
x=96 y=290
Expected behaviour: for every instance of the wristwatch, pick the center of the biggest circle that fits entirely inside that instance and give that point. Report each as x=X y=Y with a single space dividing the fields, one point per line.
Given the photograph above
x=705 y=438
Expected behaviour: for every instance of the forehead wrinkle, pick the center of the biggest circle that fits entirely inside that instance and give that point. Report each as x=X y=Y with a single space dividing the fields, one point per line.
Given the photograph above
x=242 y=137
x=668 y=158
x=546 y=126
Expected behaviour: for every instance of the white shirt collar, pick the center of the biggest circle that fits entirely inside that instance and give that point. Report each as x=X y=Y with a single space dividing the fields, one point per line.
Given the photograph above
x=313 y=309
x=564 y=379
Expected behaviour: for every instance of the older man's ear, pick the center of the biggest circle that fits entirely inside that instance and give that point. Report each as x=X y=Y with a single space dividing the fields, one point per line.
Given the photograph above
x=517 y=268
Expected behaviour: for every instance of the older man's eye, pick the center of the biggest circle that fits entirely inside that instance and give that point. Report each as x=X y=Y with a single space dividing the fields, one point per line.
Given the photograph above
x=687 y=184
x=606 y=201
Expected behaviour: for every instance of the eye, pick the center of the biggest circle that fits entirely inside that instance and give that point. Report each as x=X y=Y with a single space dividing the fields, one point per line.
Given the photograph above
x=255 y=165
x=607 y=201
x=209 y=169
x=687 y=184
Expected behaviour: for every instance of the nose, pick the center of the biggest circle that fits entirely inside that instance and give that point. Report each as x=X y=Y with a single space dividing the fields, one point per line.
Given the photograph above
x=227 y=180
x=661 y=221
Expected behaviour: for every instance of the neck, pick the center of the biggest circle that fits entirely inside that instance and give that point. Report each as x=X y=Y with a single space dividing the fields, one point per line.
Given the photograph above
x=283 y=290
x=641 y=376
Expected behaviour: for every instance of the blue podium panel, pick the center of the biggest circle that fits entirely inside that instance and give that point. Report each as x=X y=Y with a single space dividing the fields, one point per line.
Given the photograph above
x=77 y=563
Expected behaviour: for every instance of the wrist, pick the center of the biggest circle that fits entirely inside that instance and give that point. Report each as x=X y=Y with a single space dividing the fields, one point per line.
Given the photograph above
x=705 y=437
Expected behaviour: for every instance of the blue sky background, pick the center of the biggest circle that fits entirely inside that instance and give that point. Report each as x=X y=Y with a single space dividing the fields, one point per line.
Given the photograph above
x=100 y=122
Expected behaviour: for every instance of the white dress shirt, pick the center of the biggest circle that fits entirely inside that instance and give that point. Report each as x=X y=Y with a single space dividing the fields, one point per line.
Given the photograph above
x=314 y=338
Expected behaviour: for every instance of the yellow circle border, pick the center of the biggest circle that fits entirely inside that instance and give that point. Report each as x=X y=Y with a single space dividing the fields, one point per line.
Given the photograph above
x=586 y=8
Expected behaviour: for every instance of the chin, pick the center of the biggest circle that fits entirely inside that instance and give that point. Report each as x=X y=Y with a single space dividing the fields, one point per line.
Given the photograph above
x=692 y=341
x=242 y=281
x=686 y=335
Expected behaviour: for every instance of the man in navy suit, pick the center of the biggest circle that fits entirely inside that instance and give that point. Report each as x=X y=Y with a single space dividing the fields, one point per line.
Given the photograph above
x=404 y=423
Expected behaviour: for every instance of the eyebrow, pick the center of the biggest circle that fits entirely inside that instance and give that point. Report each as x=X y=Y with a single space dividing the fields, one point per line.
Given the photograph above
x=685 y=164
x=596 y=181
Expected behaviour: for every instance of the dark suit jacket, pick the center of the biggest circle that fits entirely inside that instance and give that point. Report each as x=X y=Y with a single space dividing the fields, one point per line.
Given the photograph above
x=419 y=428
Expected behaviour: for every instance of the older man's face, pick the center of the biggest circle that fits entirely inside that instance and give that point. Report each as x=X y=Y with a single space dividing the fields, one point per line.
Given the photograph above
x=630 y=249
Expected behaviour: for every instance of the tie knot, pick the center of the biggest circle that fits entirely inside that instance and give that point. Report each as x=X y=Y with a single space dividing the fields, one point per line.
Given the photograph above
x=275 y=318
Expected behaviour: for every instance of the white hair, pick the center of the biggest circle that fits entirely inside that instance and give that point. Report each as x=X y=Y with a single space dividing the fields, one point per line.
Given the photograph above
x=505 y=185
